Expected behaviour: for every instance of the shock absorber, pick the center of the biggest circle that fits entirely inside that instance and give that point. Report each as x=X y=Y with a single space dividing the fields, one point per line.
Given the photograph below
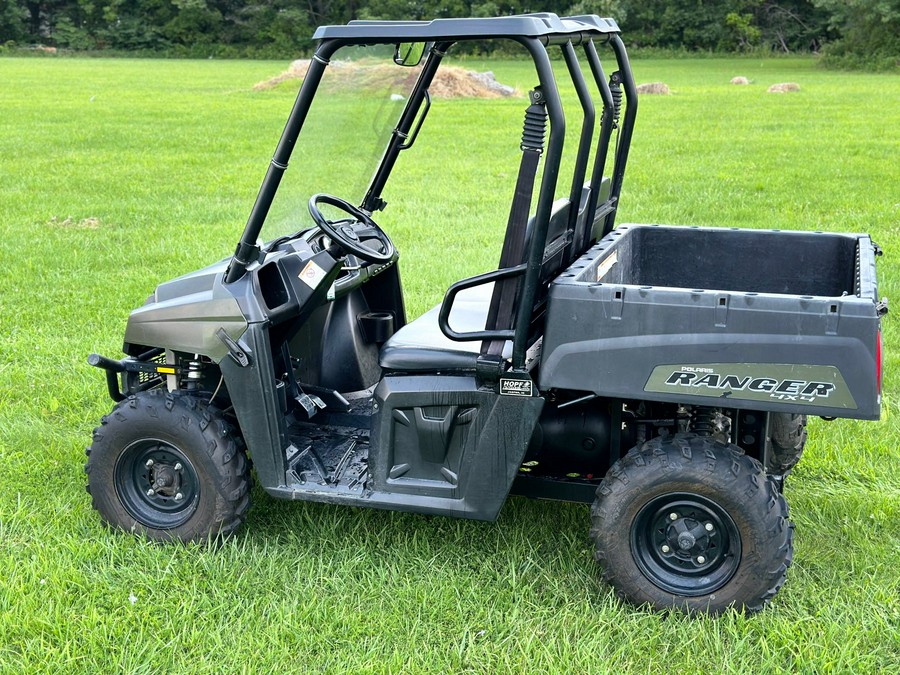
x=703 y=421
x=193 y=374
x=710 y=422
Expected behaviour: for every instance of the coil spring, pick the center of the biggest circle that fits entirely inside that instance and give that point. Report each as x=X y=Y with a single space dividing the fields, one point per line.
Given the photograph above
x=703 y=421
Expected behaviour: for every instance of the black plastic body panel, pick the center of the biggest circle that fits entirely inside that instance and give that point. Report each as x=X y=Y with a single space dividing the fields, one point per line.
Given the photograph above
x=439 y=445
x=259 y=409
x=443 y=438
x=748 y=319
x=338 y=346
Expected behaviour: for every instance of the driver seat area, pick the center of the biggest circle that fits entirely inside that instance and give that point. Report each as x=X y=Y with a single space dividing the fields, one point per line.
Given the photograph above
x=421 y=346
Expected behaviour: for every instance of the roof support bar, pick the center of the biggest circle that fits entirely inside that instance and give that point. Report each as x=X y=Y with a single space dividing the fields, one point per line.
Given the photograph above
x=545 y=198
x=606 y=128
x=372 y=201
x=584 y=143
x=247 y=249
x=625 y=130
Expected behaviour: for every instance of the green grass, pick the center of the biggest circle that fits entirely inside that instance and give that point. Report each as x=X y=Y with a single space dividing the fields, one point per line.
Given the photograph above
x=116 y=175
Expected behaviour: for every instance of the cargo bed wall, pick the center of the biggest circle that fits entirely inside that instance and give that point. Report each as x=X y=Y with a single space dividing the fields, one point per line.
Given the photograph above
x=766 y=320
x=794 y=263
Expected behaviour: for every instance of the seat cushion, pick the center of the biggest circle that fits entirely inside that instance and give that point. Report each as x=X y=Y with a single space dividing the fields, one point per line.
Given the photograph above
x=421 y=346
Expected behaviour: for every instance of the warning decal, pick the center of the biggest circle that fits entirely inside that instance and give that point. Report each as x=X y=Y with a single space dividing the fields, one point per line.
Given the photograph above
x=312 y=274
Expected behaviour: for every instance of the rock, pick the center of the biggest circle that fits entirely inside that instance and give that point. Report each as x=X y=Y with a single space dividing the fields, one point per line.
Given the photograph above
x=654 y=88
x=784 y=87
x=740 y=80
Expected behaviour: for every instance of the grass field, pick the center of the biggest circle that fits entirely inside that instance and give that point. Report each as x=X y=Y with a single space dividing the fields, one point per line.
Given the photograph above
x=118 y=174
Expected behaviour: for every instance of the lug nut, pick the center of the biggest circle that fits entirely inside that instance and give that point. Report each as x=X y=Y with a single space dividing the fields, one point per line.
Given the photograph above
x=178 y=466
x=151 y=492
x=709 y=527
x=148 y=463
x=700 y=560
x=673 y=516
x=665 y=548
x=179 y=497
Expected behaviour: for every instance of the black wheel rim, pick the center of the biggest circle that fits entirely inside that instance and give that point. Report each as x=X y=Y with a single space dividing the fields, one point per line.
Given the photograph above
x=157 y=484
x=686 y=544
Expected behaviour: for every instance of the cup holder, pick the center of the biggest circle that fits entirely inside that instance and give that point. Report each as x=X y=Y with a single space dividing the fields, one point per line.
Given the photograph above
x=376 y=327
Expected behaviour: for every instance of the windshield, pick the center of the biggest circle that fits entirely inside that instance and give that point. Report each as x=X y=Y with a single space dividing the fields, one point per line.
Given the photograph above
x=448 y=198
x=356 y=107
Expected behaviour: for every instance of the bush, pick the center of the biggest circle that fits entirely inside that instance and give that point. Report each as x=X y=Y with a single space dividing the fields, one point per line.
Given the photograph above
x=870 y=31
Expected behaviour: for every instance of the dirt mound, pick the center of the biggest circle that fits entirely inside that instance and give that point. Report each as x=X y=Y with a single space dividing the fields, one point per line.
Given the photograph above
x=654 y=88
x=450 y=81
x=740 y=79
x=784 y=87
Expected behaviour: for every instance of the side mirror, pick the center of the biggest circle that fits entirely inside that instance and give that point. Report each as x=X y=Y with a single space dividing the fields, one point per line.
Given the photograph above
x=409 y=53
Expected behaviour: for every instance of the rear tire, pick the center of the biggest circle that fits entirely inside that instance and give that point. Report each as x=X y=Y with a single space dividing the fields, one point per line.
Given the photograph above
x=168 y=466
x=691 y=523
x=788 y=437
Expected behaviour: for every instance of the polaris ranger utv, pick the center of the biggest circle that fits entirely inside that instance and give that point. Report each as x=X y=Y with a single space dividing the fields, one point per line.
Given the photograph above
x=613 y=366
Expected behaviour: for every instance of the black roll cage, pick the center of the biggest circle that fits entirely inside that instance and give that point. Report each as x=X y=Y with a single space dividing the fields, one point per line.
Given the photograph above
x=536 y=32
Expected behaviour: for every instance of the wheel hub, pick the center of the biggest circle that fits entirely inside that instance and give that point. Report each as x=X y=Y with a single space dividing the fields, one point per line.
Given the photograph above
x=157 y=484
x=686 y=540
x=685 y=544
x=165 y=480
x=689 y=542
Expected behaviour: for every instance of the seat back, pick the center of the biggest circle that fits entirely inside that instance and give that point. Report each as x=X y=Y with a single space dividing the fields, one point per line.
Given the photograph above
x=556 y=257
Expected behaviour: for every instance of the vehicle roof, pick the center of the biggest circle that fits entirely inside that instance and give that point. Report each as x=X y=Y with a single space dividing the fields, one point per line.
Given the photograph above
x=523 y=25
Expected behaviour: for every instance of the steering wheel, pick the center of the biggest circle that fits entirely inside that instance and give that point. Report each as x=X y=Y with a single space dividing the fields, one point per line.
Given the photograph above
x=351 y=236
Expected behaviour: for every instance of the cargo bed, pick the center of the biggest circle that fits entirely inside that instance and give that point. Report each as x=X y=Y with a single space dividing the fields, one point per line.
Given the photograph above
x=752 y=319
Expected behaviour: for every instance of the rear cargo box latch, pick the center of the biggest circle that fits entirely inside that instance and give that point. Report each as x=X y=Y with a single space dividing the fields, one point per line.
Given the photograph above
x=721 y=311
x=615 y=301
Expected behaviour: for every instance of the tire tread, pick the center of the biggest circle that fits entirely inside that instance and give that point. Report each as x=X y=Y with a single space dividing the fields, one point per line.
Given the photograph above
x=224 y=446
x=649 y=466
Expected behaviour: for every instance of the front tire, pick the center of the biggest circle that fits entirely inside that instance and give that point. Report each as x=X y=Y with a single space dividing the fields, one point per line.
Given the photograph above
x=692 y=523
x=168 y=466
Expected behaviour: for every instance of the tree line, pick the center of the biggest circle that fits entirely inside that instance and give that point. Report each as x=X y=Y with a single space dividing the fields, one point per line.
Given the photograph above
x=865 y=30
